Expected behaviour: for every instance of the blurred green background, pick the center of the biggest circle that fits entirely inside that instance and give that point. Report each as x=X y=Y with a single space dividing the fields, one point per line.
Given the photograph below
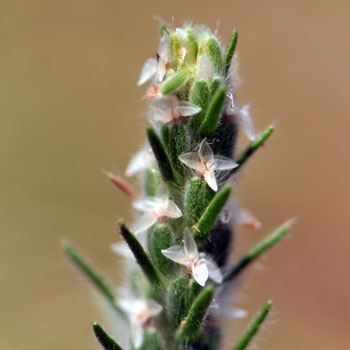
x=69 y=106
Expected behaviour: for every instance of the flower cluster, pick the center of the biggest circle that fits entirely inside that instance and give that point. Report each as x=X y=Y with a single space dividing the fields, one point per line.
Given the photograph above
x=193 y=112
x=178 y=248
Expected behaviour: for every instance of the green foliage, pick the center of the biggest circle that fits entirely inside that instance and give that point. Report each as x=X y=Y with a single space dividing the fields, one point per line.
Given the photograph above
x=178 y=299
x=105 y=340
x=179 y=143
x=214 y=54
x=192 y=205
x=212 y=212
x=193 y=322
x=200 y=97
x=161 y=155
x=258 y=249
x=174 y=47
x=175 y=82
x=161 y=238
x=141 y=257
x=151 y=182
x=91 y=273
x=151 y=341
x=254 y=146
x=230 y=50
x=254 y=327
x=212 y=116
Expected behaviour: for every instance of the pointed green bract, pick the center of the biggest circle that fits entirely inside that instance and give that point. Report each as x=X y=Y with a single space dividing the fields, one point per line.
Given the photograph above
x=174 y=47
x=104 y=339
x=270 y=240
x=206 y=196
x=199 y=96
x=254 y=327
x=175 y=81
x=193 y=322
x=179 y=143
x=192 y=49
x=212 y=116
x=161 y=238
x=230 y=50
x=91 y=272
x=254 y=146
x=258 y=249
x=151 y=182
x=214 y=54
x=192 y=206
x=141 y=257
x=163 y=29
x=212 y=212
x=178 y=299
x=193 y=292
x=165 y=133
x=161 y=155
x=214 y=85
x=151 y=341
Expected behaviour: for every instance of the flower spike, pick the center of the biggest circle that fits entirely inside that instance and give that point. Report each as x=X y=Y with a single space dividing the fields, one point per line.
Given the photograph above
x=184 y=206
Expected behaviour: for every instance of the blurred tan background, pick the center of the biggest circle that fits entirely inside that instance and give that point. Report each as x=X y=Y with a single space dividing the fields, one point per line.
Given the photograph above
x=69 y=106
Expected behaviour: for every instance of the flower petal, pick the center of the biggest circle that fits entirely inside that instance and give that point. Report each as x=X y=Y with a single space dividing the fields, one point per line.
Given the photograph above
x=245 y=218
x=153 y=308
x=161 y=69
x=200 y=273
x=233 y=313
x=214 y=271
x=210 y=179
x=172 y=210
x=224 y=163
x=246 y=123
x=187 y=109
x=177 y=254
x=140 y=161
x=163 y=48
x=149 y=204
x=162 y=116
x=205 y=152
x=148 y=70
x=190 y=246
x=146 y=221
x=192 y=160
x=137 y=334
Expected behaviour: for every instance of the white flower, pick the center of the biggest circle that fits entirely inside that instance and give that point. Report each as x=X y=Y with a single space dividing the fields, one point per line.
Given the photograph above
x=239 y=215
x=246 y=123
x=244 y=119
x=157 y=66
x=206 y=163
x=169 y=108
x=188 y=255
x=141 y=160
x=140 y=311
x=154 y=208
